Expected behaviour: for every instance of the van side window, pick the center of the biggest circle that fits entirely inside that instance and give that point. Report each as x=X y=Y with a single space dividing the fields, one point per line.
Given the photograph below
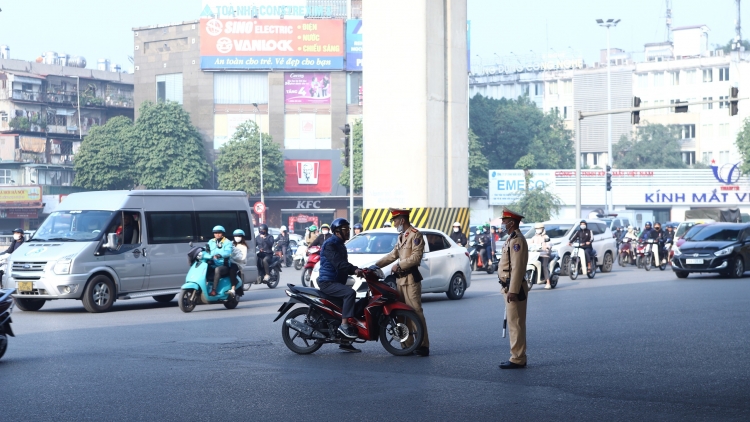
x=245 y=224
x=596 y=228
x=625 y=223
x=207 y=220
x=170 y=227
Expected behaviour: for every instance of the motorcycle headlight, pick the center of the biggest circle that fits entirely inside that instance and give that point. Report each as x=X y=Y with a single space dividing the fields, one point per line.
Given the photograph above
x=62 y=267
x=724 y=252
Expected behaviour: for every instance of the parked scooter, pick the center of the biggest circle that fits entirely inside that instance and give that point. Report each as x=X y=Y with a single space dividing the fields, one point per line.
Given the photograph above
x=534 y=273
x=313 y=256
x=652 y=256
x=578 y=263
x=300 y=256
x=6 y=307
x=196 y=289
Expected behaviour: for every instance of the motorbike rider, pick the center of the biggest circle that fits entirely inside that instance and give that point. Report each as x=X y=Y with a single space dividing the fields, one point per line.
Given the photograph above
x=264 y=242
x=646 y=232
x=483 y=240
x=586 y=239
x=630 y=235
x=17 y=241
x=458 y=236
x=239 y=256
x=541 y=240
x=221 y=249
x=311 y=234
x=323 y=236
x=334 y=271
x=658 y=235
x=358 y=228
x=283 y=241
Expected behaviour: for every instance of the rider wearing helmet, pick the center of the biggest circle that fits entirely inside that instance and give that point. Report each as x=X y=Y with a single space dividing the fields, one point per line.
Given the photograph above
x=541 y=240
x=324 y=235
x=17 y=241
x=283 y=241
x=358 y=228
x=387 y=225
x=311 y=234
x=221 y=249
x=334 y=271
x=239 y=256
x=646 y=233
x=264 y=242
x=458 y=236
x=586 y=239
x=484 y=243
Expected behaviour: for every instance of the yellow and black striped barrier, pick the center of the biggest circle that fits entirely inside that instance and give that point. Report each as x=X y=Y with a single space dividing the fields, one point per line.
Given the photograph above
x=426 y=218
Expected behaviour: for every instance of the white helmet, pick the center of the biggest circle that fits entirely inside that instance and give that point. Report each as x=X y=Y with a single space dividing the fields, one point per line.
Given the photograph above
x=387 y=224
x=539 y=226
x=282 y=228
x=456 y=224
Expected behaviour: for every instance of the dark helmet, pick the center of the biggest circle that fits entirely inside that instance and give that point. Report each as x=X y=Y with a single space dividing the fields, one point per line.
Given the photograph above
x=339 y=224
x=263 y=229
x=583 y=222
x=358 y=226
x=18 y=231
x=648 y=223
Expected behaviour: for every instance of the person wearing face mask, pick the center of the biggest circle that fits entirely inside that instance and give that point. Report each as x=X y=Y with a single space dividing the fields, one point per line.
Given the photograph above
x=586 y=239
x=17 y=241
x=238 y=257
x=541 y=240
x=325 y=234
x=658 y=235
x=646 y=233
x=264 y=242
x=458 y=236
x=408 y=251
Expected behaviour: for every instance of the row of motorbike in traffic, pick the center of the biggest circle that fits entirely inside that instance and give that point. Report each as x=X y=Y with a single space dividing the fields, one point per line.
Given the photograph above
x=534 y=273
x=646 y=254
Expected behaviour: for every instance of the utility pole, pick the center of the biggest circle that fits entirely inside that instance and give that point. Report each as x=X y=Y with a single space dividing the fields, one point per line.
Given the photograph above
x=608 y=24
x=260 y=141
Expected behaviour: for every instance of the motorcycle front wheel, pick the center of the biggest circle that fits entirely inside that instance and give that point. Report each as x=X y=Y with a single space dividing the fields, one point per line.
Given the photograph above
x=293 y=339
x=298 y=264
x=185 y=302
x=573 y=268
x=3 y=344
x=647 y=262
x=305 y=279
x=402 y=328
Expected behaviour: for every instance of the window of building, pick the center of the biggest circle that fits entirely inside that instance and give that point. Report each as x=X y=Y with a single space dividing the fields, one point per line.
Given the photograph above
x=354 y=88
x=55 y=177
x=169 y=88
x=688 y=131
x=642 y=80
x=707 y=157
x=708 y=106
x=659 y=79
x=674 y=77
x=525 y=88
x=723 y=130
x=552 y=87
x=241 y=88
x=723 y=73
x=708 y=75
x=724 y=101
x=5 y=177
x=689 y=77
x=538 y=88
x=723 y=157
x=595 y=157
x=565 y=112
x=688 y=157
x=707 y=132
x=568 y=87
x=3 y=116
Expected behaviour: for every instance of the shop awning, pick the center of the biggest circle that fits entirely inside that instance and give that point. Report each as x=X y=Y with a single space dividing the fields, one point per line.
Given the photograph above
x=26 y=80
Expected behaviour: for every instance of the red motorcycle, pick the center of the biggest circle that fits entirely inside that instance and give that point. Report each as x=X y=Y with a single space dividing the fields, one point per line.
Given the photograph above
x=313 y=256
x=380 y=315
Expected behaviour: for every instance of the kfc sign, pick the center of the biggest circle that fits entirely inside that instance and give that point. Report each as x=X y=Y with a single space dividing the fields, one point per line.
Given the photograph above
x=307 y=172
x=308 y=176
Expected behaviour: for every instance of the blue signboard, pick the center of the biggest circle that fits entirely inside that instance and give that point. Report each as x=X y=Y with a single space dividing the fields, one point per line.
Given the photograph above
x=354 y=44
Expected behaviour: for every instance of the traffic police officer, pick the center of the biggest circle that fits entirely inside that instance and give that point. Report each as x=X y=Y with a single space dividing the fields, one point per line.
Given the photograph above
x=408 y=250
x=511 y=273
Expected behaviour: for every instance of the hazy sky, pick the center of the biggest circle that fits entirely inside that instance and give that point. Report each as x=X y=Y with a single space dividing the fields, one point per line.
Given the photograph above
x=102 y=28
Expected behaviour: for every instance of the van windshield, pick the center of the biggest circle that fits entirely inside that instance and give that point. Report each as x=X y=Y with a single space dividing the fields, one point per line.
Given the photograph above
x=73 y=226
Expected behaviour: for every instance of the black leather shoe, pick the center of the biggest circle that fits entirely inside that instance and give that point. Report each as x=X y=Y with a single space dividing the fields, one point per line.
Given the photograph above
x=511 y=365
x=349 y=348
x=422 y=351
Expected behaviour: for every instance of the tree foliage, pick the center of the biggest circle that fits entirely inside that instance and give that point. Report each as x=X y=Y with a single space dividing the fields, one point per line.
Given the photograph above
x=167 y=150
x=743 y=146
x=655 y=146
x=103 y=161
x=357 y=144
x=238 y=162
x=537 y=205
x=478 y=163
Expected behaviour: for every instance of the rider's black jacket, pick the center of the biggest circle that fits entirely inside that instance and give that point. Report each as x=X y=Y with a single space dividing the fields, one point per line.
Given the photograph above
x=265 y=245
x=14 y=245
x=656 y=235
x=583 y=236
x=320 y=239
x=283 y=239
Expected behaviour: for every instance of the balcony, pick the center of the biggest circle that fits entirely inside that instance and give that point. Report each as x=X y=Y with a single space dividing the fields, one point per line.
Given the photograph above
x=34 y=96
x=120 y=100
x=62 y=97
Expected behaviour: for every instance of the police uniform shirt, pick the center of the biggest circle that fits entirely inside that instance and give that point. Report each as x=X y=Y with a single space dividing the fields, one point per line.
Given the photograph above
x=514 y=260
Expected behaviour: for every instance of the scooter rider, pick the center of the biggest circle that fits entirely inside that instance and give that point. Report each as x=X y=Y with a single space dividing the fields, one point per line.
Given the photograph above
x=283 y=241
x=17 y=241
x=458 y=236
x=239 y=256
x=658 y=235
x=221 y=249
x=358 y=228
x=645 y=234
x=264 y=242
x=540 y=239
x=334 y=271
x=323 y=236
x=586 y=239
x=311 y=234
x=484 y=241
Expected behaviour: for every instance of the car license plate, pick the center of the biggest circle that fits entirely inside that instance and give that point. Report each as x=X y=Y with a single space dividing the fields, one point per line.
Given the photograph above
x=694 y=261
x=25 y=286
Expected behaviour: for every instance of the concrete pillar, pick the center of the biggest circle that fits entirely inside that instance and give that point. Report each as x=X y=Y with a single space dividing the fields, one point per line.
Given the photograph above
x=276 y=106
x=415 y=115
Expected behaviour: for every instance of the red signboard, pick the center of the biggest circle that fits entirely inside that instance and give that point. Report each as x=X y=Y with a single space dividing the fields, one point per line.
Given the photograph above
x=301 y=219
x=308 y=176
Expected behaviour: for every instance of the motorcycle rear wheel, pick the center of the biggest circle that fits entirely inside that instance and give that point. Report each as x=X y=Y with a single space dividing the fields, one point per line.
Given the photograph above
x=274 y=281
x=186 y=304
x=298 y=264
x=592 y=273
x=399 y=327
x=623 y=259
x=232 y=303
x=289 y=335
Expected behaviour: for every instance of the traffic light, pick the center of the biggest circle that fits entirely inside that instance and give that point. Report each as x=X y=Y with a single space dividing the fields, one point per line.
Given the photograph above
x=635 y=116
x=609 y=178
x=680 y=109
x=345 y=140
x=734 y=92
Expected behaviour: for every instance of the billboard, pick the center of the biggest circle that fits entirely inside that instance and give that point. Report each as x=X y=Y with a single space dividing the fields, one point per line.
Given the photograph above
x=308 y=176
x=316 y=44
x=21 y=196
x=307 y=88
x=506 y=186
x=354 y=44
x=267 y=9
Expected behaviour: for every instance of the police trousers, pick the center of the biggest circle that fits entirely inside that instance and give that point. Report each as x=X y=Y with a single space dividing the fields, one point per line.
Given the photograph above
x=517 y=329
x=411 y=294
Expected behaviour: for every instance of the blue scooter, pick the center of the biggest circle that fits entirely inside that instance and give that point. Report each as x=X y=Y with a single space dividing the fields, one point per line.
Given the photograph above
x=196 y=288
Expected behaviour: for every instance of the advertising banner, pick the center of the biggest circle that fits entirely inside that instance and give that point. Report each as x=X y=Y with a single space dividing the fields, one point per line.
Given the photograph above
x=316 y=44
x=308 y=176
x=354 y=44
x=21 y=196
x=269 y=9
x=506 y=186
x=307 y=88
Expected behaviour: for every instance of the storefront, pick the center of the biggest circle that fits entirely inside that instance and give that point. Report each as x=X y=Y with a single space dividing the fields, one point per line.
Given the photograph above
x=20 y=207
x=298 y=214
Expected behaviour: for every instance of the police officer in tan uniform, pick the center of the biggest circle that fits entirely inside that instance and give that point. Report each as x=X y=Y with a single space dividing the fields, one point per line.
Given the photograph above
x=408 y=250
x=511 y=273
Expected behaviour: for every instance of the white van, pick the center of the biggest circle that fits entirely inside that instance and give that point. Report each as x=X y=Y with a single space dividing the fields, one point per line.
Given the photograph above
x=84 y=251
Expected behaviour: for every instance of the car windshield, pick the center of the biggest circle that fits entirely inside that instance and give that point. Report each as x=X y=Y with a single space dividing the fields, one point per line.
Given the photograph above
x=716 y=233
x=372 y=243
x=73 y=226
x=693 y=230
x=684 y=227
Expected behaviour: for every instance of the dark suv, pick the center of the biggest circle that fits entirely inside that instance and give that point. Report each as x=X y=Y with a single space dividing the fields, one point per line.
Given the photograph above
x=717 y=248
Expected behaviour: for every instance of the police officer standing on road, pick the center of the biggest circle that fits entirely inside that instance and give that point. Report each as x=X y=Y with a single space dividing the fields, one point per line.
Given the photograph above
x=511 y=273
x=408 y=250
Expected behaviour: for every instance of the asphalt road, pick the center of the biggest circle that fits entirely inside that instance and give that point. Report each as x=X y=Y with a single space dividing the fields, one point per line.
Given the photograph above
x=628 y=345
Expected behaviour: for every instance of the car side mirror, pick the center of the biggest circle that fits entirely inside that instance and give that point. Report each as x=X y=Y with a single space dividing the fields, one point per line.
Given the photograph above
x=111 y=241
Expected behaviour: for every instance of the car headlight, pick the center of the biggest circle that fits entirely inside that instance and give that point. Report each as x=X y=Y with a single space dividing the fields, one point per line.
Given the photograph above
x=676 y=250
x=62 y=267
x=724 y=252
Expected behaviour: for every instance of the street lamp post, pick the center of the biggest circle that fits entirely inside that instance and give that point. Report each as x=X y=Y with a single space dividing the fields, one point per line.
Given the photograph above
x=608 y=24
x=260 y=141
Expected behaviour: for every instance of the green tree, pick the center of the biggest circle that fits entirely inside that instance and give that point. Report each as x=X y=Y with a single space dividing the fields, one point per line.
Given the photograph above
x=167 y=150
x=743 y=146
x=478 y=164
x=537 y=205
x=728 y=46
x=655 y=146
x=357 y=144
x=103 y=161
x=238 y=162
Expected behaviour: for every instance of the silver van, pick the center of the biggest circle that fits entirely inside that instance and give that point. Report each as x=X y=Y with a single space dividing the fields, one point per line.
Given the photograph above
x=99 y=247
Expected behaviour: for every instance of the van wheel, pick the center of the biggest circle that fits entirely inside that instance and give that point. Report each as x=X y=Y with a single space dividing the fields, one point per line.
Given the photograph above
x=607 y=263
x=164 y=298
x=29 y=305
x=99 y=295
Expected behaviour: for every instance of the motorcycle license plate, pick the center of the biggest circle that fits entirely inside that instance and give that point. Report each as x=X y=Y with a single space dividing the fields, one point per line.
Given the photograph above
x=694 y=261
x=25 y=286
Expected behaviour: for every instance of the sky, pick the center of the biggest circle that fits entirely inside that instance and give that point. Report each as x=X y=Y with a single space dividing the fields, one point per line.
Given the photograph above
x=103 y=28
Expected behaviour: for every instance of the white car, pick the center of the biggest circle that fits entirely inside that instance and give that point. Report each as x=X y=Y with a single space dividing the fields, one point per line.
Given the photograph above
x=445 y=266
x=294 y=239
x=560 y=232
